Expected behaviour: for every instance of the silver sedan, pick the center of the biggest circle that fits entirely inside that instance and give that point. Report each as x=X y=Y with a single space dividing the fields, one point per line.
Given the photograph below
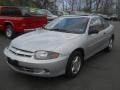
x=61 y=47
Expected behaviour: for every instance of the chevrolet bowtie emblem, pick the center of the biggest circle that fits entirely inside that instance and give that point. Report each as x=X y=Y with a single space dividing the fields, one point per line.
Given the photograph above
x=17 y=51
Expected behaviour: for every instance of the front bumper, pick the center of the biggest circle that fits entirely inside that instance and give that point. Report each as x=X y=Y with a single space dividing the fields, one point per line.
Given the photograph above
x=30 y=66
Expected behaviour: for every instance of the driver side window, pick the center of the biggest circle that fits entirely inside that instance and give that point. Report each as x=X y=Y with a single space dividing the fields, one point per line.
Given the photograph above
x=96 y=24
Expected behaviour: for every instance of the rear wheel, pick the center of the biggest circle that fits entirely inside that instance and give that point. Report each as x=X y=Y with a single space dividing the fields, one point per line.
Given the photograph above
x=9 y=31
x=74 y=64
x=110 y=45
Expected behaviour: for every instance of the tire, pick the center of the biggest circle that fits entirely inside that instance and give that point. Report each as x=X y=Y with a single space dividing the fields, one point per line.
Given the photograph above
x=110 y=45
x=9 y=32
x=73 y=66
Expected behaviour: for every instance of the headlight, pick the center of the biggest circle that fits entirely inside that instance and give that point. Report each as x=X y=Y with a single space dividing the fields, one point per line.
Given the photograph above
x=45 y=55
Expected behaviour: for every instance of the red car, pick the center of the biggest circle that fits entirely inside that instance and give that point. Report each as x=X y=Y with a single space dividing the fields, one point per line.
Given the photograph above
x=13 y=21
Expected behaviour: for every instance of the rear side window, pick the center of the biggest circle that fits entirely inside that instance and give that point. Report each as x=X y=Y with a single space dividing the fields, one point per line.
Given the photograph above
x=10 y=12
x=96 y=23
x=105 y=23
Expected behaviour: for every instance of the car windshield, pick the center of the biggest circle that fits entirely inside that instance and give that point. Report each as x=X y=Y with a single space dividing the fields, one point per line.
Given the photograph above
x=40 y=12
x=68 y=25
x=26 y=11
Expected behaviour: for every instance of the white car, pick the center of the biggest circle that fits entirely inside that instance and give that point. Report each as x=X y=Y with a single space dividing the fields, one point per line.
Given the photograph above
x=61 y=47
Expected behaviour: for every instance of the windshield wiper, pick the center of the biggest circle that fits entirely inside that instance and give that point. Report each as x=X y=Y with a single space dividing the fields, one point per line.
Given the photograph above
x=58 y=30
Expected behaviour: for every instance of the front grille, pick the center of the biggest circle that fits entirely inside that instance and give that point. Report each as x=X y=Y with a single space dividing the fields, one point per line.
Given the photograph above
x=20 y=52
x=23 y=55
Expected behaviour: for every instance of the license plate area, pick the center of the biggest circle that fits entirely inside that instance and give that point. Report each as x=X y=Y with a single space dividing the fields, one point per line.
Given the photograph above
x=16 y=65
x=13 y=62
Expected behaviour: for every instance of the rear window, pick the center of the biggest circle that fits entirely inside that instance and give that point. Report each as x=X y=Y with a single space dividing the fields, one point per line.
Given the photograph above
x=10 y=12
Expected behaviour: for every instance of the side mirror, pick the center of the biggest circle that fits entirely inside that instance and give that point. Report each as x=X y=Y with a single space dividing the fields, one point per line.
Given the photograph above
x=92 y=31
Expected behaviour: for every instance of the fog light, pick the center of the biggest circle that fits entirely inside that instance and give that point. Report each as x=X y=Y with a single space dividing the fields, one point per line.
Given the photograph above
x=42 y=71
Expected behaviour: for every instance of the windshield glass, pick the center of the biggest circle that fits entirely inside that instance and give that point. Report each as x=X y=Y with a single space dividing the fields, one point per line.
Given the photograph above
x=32 y=11
x=40 y=12
x=69 y=25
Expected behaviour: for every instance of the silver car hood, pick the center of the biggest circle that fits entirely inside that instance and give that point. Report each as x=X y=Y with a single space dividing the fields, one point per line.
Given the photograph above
x=42 y=40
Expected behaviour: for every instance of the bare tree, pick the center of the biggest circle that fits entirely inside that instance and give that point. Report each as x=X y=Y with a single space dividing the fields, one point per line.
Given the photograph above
x=97 y=2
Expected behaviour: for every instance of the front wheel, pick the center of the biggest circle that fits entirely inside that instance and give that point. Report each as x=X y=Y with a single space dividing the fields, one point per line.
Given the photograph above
x=9 y=31
x=74 y=64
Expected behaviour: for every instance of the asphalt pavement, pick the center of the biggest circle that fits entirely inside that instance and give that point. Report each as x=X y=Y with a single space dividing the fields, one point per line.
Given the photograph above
x=101 y=72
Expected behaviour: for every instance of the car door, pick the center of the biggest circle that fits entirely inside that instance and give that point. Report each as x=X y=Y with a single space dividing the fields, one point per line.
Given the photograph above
x=95 y=42
x=1 y=19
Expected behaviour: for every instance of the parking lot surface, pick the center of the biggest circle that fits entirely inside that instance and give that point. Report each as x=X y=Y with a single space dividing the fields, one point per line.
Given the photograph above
x=101 y=72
